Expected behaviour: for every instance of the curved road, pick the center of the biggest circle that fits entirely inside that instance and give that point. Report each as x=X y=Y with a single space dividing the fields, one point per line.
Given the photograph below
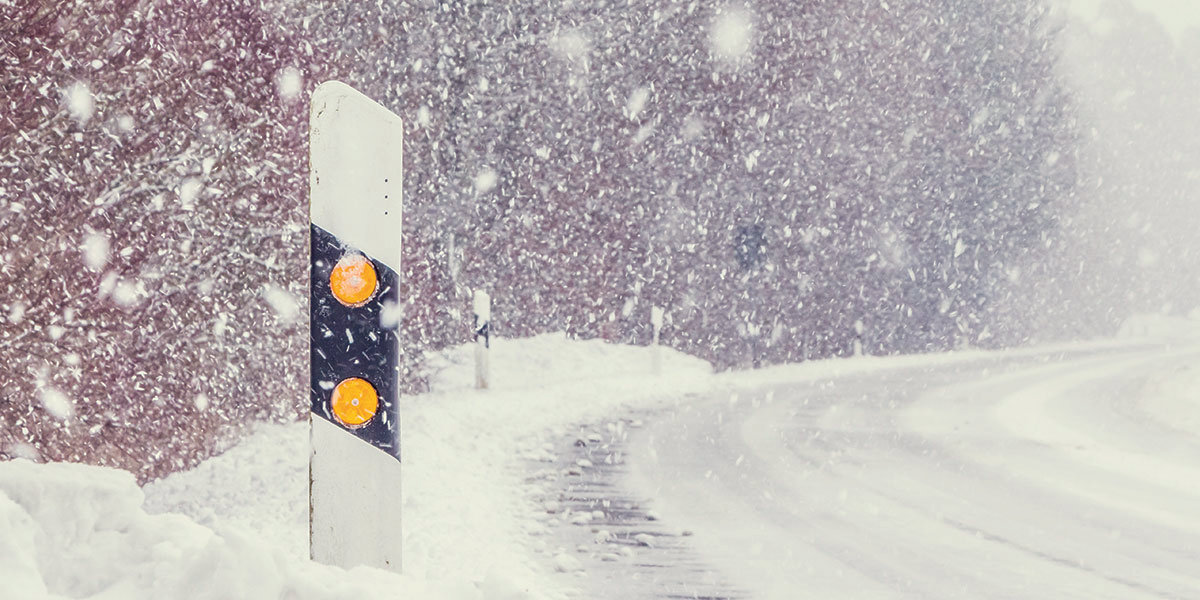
x=1000 y=478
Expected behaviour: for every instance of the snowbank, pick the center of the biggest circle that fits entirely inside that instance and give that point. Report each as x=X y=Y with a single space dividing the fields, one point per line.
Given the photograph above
x=545 y=360
x=841 y=367
x=81 y=532
x=1152 y=326
x=236 y=526
x=230 y=491
x=1172 y=396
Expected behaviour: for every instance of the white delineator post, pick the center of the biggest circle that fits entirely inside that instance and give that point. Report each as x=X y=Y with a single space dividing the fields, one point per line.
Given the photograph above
x=356 y=170
x=656 y=323
x=483 y=335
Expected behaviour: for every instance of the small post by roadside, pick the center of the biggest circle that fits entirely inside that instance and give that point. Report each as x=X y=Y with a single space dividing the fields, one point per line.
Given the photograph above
x=483 y=322
x=656 y=322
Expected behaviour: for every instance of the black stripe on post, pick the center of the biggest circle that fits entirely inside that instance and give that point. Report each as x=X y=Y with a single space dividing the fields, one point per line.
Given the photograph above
x=351 y=342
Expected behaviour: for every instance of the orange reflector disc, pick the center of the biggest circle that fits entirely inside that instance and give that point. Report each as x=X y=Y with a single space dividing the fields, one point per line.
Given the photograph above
x=354 y=402
x=353 y=280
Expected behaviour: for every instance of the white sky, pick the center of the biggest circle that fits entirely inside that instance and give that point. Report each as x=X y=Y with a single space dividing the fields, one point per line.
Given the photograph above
x=1179 y=17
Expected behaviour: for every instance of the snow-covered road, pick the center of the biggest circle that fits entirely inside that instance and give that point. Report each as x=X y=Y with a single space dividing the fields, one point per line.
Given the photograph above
x=1045 y=477
x=1071 y=472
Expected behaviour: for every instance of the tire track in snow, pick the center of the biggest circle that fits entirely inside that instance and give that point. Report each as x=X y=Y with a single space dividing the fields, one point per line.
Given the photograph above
x=622 y=548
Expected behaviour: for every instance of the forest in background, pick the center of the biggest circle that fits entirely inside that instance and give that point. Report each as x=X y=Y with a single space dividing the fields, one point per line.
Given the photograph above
x=789 y=180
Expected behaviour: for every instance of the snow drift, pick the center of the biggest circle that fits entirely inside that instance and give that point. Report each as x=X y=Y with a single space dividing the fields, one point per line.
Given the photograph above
x=77 y=531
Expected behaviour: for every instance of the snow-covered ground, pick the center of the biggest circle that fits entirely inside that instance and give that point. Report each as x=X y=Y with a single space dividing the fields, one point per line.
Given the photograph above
x=236 y=526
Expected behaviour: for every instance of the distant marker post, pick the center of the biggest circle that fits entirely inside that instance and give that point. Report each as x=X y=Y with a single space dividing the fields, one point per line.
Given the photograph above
x=483 y=338
x=656 y=323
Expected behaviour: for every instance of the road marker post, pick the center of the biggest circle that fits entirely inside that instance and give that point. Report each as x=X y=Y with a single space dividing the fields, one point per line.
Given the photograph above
x=656 y=323
x=355 y=174
x=483 y=338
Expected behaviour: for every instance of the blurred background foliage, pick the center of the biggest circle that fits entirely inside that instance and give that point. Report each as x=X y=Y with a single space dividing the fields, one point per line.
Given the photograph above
x=789 y=180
